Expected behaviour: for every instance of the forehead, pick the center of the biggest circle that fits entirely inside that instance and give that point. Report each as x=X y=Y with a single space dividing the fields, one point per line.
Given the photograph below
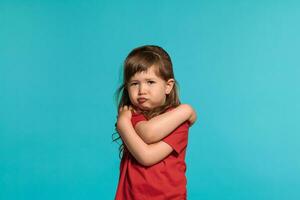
x=151 y=73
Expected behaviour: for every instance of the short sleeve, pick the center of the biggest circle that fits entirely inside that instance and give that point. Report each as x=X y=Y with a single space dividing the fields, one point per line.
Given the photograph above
x=178 y=138
x=135 y=118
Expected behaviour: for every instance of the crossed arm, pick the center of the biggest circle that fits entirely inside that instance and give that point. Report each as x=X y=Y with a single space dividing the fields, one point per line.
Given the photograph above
x=162 y=125
x=152 y=132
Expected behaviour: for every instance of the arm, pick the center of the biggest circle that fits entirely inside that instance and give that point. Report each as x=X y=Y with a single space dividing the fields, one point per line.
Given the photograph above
x=145 y=154
x=162 y=125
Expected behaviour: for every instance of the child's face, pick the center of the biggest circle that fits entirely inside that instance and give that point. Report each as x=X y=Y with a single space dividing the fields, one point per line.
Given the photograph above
x=147 y=90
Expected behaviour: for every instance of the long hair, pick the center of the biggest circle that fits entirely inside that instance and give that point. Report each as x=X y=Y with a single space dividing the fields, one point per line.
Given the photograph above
x=139 y=60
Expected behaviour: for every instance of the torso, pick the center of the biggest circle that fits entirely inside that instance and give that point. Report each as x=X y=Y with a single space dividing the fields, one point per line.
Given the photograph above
x=162 y=181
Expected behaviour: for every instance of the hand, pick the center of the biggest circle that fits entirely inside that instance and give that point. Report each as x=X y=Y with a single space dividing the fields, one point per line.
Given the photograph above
x=125 y=111
x=192 y=114
x=193 y=117
x=124 y=117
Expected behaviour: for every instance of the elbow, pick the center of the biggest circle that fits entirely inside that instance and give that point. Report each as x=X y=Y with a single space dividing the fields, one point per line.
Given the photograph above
x=148 y=138
x=146 y=134
x=146 y=163
x=146 y=160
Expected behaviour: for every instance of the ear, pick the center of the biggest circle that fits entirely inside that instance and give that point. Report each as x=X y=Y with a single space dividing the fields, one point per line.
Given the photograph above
x=169 y=85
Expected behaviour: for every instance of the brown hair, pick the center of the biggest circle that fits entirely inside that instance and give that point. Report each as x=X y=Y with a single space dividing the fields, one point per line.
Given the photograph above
x=141 y=59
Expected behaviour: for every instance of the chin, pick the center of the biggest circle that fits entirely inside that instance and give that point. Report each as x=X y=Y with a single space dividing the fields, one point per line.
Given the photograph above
x=145 y=108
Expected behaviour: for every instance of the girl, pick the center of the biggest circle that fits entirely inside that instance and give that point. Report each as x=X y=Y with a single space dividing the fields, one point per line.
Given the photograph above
x=153 y=125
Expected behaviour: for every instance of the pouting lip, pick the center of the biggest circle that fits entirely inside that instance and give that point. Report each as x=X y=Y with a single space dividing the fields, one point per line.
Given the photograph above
x=141 y=100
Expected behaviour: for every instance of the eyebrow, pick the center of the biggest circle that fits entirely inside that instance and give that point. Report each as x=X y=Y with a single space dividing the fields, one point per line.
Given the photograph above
x=147 y=79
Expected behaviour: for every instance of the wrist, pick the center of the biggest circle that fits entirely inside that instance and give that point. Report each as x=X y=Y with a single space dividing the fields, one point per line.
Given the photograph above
x=122 y=120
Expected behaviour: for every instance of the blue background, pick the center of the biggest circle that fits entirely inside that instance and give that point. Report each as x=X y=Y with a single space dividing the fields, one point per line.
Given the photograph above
x=237 y=63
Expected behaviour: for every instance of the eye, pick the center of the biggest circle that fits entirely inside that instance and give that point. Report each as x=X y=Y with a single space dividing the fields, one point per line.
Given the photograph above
x=133 y=84
x=151 y=82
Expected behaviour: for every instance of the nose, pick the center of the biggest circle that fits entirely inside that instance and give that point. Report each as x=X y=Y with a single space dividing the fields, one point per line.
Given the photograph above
x=142 y=89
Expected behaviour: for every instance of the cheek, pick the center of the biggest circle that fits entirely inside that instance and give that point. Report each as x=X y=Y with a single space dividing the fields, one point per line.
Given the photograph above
x=131 y=94
x=160 y=95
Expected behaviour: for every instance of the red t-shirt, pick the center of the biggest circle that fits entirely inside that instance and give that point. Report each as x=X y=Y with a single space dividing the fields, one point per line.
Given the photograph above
x=165 y=180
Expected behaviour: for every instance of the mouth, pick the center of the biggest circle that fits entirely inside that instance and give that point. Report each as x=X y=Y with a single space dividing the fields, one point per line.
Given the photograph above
x=141 y=100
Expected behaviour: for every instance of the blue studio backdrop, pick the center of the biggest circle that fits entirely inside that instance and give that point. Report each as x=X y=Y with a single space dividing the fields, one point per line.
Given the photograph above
x=237 y=63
